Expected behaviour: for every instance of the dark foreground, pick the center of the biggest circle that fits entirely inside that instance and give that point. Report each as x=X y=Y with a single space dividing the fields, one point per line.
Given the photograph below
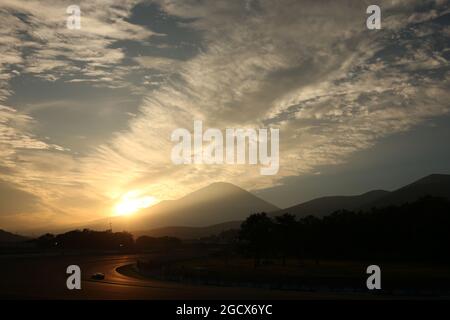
x=45 y=278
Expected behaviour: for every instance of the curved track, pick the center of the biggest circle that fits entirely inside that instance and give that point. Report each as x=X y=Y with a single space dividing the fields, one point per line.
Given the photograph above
x=45 y=278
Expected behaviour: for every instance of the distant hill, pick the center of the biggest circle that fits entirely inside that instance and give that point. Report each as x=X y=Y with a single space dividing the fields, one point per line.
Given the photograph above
x=190 y=232
x=6 y=236
x=437 y=185
x=206 y=211
x=207 y=206
x=325 y=205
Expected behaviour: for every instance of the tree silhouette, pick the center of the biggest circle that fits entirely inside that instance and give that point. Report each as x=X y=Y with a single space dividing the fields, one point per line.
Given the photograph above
x=415 y=231
x=256 y=236
x=87 y=239
x=286 y=235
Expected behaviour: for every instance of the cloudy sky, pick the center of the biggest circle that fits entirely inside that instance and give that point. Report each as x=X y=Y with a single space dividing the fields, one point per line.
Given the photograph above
x=86 y=115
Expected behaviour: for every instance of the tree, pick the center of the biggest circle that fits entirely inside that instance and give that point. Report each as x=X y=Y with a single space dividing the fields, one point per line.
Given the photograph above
x=257 y=235
x=286 y=234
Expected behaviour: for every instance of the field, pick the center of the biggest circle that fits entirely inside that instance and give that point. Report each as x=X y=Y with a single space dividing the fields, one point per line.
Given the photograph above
x=311 y=275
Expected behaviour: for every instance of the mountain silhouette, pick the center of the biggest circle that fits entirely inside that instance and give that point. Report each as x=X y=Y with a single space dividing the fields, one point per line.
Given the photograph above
x=216 y=203
x=6 y=236
x=437 y=185
x=323 y=206
x=221 y=206
x=213 y=204
x=434 y=185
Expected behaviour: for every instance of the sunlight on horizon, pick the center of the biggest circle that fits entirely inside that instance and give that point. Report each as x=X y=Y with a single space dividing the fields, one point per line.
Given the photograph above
x=132 y=202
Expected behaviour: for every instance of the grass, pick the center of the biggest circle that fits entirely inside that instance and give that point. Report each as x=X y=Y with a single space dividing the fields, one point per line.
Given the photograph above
x=330 y=273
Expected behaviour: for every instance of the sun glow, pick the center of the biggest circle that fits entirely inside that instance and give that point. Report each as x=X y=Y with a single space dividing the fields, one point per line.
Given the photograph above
x=132 y=202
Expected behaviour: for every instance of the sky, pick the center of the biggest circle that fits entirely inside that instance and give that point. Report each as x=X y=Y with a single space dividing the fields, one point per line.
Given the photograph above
x=86 y=115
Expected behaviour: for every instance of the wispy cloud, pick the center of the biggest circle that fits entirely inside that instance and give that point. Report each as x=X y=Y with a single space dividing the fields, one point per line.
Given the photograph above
x=332 y=86
x=36 y=41
x=313 y=70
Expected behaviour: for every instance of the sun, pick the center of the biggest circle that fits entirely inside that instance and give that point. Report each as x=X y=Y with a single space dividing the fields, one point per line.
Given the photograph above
x=132 y=202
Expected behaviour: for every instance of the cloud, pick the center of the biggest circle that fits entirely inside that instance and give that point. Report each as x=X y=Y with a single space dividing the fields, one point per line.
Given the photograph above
x=37 y=41
x=15 y=201
x=14 y=133
x=159 y=63
x=331 y=86
x=28 y=175
x=312 y=70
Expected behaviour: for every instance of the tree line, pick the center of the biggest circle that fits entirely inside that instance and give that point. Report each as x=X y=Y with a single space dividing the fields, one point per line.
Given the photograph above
x=417 y=231
x=103 y=240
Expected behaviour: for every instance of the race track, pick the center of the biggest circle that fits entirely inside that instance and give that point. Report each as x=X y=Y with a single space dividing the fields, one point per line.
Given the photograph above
x=45 y=278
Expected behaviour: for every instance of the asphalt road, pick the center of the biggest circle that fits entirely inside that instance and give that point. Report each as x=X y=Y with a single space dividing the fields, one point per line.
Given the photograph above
x=45 y=278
